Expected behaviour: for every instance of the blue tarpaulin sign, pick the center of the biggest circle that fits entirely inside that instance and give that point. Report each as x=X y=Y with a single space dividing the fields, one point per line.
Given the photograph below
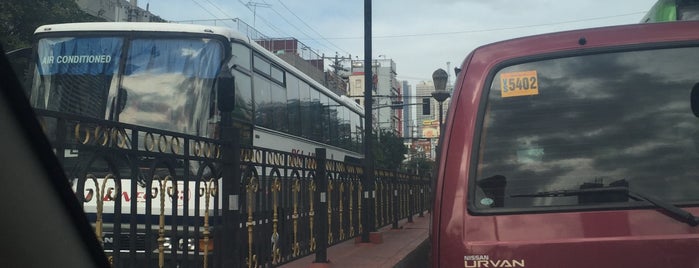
x=79 y=56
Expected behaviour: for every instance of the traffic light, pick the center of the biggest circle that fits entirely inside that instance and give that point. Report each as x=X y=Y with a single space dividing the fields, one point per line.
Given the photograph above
x=426 y=106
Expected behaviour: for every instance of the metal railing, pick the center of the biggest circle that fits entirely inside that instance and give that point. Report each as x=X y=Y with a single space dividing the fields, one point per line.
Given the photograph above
x=164 y=199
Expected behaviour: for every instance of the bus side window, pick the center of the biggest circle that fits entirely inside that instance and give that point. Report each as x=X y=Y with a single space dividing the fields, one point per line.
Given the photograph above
x=241 y=56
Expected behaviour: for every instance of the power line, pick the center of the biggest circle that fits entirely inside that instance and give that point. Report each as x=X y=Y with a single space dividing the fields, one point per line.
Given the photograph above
x=219 y=10
x=491 y=30
x=403 y=77
x=205 y=9
x=291 y=24
x=271 y=27
x=309 y=27
x=254 y=6
x=301 y=31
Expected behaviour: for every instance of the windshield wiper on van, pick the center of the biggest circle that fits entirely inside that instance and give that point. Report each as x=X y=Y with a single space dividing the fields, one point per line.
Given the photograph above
x=674 y=211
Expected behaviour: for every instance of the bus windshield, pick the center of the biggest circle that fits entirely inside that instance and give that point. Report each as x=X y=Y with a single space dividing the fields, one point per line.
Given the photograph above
x=164 y=83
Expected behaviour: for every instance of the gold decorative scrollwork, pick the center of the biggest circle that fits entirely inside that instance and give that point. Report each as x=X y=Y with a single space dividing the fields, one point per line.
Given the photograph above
x=275 y=158
x=311 y=213
x=295 y=161
x=342 y=229
x=351 y=205
x=163 y=143
x=399 y=199
x=84 y=140
x=416 y=198
x=377 y=188
x=330 y=213
x=218 y=151
x=175 y=145
x=276 y=252
x=258 y=156
x=390 y=201
x=197 y=148
x=210 y=191
x=149 y=142
x=162 y=184
x=359 y=206
x=103 y=134
x=100 y=195
x=246 y=155
x=119 y=136
x=387 y=201
x=404 y=197
x=251 y=189
x=408 y=198
x=295 y=189
x=208 y=149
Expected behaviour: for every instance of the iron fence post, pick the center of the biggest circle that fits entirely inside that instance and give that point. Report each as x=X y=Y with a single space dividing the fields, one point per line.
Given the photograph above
x=410 y=200
x=321 y=196
x=422 y=198
x=395 y=200
x=226 y=248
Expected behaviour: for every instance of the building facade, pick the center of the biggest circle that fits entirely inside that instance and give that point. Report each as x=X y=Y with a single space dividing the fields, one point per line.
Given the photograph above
x=427 y=118
x=118 y=10
x=386 y=93
x=409 y=109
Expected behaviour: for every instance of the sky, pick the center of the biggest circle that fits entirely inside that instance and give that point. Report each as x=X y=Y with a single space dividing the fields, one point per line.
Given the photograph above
x=420 y=36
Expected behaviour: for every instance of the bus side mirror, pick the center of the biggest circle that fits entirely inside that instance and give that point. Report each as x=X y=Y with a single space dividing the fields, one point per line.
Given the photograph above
x=225 y=86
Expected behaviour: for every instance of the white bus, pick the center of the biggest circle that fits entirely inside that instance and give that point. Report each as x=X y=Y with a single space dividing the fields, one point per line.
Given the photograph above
x=162 y=75
x=166 y=76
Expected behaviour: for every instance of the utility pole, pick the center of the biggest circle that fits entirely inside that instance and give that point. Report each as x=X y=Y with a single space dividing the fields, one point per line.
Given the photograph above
x=337 y=63
x=368 y=180
x=334 y=81
x=254 y=6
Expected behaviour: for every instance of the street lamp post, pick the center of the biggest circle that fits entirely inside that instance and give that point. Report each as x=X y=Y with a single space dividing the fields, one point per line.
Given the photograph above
x=368 y=178
x=440 y=94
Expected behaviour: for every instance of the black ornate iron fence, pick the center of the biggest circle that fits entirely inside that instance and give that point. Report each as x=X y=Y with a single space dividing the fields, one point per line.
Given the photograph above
x=151 y=194
x=164 y=199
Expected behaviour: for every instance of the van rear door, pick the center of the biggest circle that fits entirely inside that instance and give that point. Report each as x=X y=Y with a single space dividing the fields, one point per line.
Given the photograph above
x=560 y=147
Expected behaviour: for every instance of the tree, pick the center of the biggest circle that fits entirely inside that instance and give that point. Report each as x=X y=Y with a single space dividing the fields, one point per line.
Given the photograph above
x=420 y=165
x=389 y=151
x=19 y=19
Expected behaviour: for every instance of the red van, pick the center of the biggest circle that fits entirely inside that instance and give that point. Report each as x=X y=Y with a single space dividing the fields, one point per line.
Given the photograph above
x=573 y=149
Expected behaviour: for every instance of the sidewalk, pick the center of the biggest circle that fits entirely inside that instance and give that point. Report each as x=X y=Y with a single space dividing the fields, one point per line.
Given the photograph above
x=395 y=251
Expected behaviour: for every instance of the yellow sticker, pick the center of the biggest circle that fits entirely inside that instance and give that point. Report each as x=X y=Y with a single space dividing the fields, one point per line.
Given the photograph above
x=519 y=84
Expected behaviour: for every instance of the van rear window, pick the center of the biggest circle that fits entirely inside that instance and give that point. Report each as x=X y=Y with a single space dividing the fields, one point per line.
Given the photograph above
x=556 y=131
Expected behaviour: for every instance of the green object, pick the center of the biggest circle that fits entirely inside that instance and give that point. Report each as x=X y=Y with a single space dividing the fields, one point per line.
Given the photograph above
x=663 y=10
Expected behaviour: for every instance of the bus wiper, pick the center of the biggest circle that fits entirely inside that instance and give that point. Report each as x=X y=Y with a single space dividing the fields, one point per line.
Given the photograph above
x=675 y=212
